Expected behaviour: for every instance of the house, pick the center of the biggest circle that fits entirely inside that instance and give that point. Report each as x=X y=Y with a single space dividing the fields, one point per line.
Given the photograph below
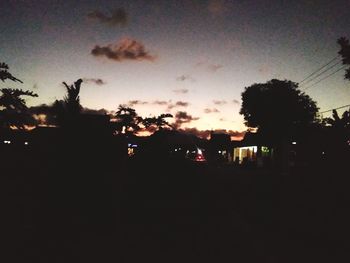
x=253 y=150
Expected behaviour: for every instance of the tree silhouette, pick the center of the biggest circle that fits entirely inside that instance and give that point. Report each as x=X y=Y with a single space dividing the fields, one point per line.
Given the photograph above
x=5 y=74
x=14 y=111
x=277 y=108
x=68 y=109
x=127 y=120
x=340 y=128
x=13 y=108
x=158 y=122
x=345 y=54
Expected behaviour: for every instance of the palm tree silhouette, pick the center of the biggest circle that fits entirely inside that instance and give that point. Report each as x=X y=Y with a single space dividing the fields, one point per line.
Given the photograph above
x=127 y=120
x=68 y=109
x=158 y=122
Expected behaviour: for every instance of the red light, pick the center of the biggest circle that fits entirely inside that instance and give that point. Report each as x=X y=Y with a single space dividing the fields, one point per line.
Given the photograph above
x=200 y=158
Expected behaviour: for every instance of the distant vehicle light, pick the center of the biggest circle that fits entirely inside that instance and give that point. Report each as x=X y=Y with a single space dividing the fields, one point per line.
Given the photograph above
x=26 y=143
x=294 y=143
x=200 y=158
x=219 y=151
x=7 y=142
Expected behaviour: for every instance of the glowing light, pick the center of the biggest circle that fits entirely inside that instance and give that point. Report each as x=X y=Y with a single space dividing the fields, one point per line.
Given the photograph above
x=26 y=143
x=7 y=142
x=294 y=143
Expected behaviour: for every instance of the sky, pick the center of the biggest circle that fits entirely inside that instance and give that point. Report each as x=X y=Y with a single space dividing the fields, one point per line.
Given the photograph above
x=191 y=58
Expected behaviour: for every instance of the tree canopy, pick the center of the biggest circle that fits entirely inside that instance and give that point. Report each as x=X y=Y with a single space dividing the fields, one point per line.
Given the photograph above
x=345 y=54
x=127 y=120
x=277 y=108
x=5 y=74
x=13 y=108
x=157 y=122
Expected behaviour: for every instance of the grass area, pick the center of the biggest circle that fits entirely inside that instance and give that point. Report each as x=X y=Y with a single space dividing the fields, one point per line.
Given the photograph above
x=64 y=210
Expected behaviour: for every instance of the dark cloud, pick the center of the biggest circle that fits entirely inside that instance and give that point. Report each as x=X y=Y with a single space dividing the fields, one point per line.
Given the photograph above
x=213 y=110
x=180 y=91
x=182 y=104
x=182 y=117
x=205 y=134
x=95 y=112
x=160 y=102
x=170 y=104
x=235 y=135
x=236 y=102
x=177 y=104
x=98 y=82
x=126 y=49
x=132 y=103
x=219 y=102
x=185 y=77
x=118 y=17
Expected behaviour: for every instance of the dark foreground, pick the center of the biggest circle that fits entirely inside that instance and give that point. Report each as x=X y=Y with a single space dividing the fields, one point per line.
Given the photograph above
x=69 y=208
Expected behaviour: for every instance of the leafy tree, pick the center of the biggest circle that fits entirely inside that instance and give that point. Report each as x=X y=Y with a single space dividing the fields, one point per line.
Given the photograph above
x=13 y=108
x=127 y=120
x=158 y=122
x=5 y=74
x=277 y=109
x=345 y=54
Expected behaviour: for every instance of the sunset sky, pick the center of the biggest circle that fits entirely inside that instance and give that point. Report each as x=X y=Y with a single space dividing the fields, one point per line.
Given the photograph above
x=193 y=56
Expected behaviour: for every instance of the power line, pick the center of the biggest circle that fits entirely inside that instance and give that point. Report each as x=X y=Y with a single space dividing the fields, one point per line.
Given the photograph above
x=329 y=75
x=321 y=73
x=313 y=73
x=335 y=109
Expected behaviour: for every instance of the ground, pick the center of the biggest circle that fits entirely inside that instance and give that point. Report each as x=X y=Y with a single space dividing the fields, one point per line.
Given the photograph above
x=56 y=210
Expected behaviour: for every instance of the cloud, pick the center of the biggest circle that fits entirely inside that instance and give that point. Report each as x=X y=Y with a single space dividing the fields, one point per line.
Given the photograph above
x=118 y=17
x=98 y=82
x=180 y=91
x=160 y=102
x=219 y=102
x=95 y=112
x=211 y=67
x=205 y=134
x=126 y=49
x=170 y=104
x=182 y=117
x=236 y=102
x=185 y=77
x=132 y=103
x=214 y=67
x=213 y=110
x=177 y=104
x=181 y=104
